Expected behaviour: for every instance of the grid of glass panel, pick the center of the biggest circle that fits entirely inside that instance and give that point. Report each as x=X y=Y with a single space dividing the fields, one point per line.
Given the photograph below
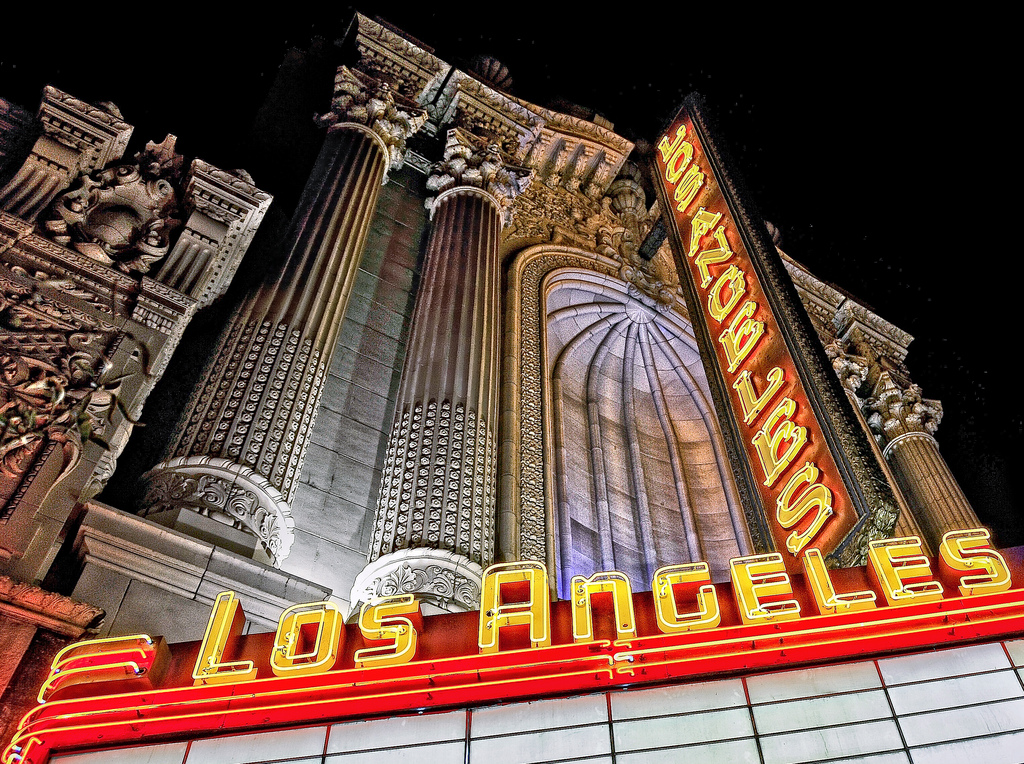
x=927 y=708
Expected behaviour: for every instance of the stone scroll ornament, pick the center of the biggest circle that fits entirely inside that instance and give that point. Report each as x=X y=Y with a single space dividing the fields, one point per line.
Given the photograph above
x=122 y=216
x=52 y=392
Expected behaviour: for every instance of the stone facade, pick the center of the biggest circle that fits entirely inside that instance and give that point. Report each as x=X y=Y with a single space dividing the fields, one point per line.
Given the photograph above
x=472 y=347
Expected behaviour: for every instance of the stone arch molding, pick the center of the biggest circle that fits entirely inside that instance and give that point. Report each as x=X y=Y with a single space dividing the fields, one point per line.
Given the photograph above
x=613 y=458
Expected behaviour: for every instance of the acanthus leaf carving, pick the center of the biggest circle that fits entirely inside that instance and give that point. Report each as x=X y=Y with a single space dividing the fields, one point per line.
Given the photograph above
x=364 y=100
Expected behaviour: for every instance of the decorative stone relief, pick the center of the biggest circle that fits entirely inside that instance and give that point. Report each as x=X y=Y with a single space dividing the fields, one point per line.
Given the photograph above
x=852 y=370
x=52 y=365
x=122 y=216
x=444 y=579
x=897 y=409
x=471 y=161
x=523 y=468
x=225 y=208
x=436 y=487
x=363 y=100
x=77 y=138
x=387 y=55
x=54 y=612
x=224 y=491
x=263 y=374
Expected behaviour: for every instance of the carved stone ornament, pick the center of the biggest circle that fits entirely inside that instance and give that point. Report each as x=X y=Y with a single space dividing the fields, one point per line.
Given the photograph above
x=123 y=215
x=224 y=491
x=473 y=162
x=852 y=370
x=899 y=409
x=52 y=611
x=52 y=364
x=444 y=579
x=621 y=226
x=363 y=100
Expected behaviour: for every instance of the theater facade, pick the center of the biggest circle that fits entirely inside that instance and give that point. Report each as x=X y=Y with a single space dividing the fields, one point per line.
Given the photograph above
x=521 y=444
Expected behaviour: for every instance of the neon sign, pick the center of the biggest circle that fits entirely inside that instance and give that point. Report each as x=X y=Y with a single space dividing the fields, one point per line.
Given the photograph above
x=126 y=690
x=805 y=499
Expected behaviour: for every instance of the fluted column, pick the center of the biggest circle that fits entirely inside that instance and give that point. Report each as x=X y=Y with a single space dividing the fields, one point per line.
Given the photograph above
x=434 y=528
x=906 y=423
x=250 y=419
x=853 y=372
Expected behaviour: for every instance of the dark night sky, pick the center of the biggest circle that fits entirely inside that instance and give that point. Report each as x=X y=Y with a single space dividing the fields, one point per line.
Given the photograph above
x=878 y=146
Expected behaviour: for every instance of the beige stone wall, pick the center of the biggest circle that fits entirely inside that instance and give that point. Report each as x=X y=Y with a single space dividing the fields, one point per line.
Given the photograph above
x=337 y=490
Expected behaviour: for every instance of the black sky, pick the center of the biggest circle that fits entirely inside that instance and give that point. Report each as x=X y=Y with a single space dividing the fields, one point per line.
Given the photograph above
x=881 y=147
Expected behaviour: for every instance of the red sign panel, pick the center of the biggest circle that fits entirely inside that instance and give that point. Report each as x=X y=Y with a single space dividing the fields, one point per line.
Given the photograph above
x=801 y=489
x=129 y=690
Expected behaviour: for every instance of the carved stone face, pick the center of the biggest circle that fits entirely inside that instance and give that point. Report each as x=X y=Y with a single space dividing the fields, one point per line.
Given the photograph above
x=120 y=216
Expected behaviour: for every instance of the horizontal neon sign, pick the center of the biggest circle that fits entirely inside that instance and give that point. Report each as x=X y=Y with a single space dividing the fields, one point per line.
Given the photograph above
x=119 y=691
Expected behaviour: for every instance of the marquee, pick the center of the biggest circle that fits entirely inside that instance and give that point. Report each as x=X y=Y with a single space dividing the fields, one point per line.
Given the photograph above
x=124 y=690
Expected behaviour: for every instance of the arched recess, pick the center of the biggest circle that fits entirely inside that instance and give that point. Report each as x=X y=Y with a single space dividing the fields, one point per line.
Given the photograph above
x=611 y=457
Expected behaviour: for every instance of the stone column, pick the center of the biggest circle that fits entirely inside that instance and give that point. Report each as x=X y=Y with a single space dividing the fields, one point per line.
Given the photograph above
x=853 y=372
x=434 y=529
x=905 y=423
x=233 y=469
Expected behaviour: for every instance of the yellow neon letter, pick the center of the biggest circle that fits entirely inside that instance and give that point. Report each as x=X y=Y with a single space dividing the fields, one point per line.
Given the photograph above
x=778 y=429
x=713 y=256
x=532 y=609
x=825 y=597
x=226 y=622
x=292 y=658
x=383 y=621
x=737 y=283
x=678 y=162
x=899 y=569
x=757 y=578
x=742 y=335
x=688 y=186
x=670 y=620
x=103 y=660
x=583 y=590
x=969 y=552
x=700 y=224
x=815 y=496
x=751 y=402
x=667 y=148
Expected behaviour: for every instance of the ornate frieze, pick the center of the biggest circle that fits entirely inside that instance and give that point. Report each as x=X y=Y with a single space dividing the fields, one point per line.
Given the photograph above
x=53 y=363
x=390 y=56
x=54 y=612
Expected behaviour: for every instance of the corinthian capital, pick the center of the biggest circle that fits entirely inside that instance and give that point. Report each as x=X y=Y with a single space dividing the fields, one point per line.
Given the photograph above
x=363 y=100
x=851 y=369
x=474 y=163
x=898 y=410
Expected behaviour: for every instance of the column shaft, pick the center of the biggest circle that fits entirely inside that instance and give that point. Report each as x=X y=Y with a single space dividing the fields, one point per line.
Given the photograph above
x=239 y=455
x=928 y=484
x=439 y=476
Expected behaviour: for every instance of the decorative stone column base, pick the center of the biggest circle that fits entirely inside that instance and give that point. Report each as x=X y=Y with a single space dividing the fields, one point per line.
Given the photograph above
x=445 y=580
x=232 y=495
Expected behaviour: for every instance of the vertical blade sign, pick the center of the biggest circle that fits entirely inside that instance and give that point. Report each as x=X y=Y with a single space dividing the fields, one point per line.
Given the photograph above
x=804 y=499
